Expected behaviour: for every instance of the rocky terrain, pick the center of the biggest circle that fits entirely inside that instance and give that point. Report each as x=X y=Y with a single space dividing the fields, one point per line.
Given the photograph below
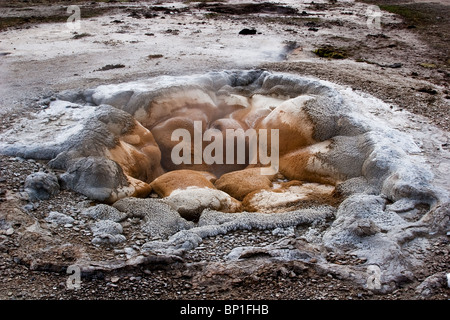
x=190 y=279
x=405 y=63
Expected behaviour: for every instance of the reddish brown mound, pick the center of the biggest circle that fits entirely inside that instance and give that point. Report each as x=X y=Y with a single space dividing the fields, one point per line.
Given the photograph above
x=240 y=183
x=181 y=179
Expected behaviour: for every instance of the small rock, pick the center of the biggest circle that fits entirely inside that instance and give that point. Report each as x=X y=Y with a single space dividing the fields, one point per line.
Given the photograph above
x=366 y=227
x=9 y=231
x=108 y=239
x=432 y=283
x=104 y=212
x=106 y=226
x=427 y=90
x=28 y=207
x=247 y=31
x=107 y=232
x=36 y=228
x=59 y=218
x=129 y=252
x=395 y=65
x=283 y=232
x=41 y=185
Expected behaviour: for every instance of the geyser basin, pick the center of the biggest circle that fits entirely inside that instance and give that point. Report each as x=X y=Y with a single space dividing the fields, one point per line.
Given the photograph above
x=338 y=166
x=114 y=141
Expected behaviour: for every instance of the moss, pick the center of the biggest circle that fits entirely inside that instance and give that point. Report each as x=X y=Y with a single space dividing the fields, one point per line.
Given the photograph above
x=331 y=52
x=211 y=15
x=428 y=65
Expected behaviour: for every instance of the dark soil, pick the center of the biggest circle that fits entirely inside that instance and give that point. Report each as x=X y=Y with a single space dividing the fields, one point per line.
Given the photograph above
x=248 y=8
x=56 y=14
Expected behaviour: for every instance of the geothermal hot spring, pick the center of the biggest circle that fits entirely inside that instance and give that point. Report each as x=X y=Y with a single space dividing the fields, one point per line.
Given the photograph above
x=321 y=156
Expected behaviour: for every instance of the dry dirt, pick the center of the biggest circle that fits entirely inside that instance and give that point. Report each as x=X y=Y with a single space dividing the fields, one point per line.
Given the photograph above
x=127 y=41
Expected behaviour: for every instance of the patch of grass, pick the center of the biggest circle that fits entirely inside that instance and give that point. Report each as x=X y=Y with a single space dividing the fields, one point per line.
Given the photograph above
x=430 y=20
x=331 y=52
x=410 y=14
x=428 y=65
x=211 y=15
x=420 y=15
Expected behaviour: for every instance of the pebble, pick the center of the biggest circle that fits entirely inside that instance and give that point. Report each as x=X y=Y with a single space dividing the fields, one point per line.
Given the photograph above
x=9 y=231
x=28 y=207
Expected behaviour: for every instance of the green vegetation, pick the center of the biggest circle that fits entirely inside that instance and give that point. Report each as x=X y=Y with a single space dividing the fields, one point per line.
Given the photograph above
x=412 y=15
x=428 y=65
x=211 y=15
x=418 y=14
x=331 y=52
x=430 y=20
